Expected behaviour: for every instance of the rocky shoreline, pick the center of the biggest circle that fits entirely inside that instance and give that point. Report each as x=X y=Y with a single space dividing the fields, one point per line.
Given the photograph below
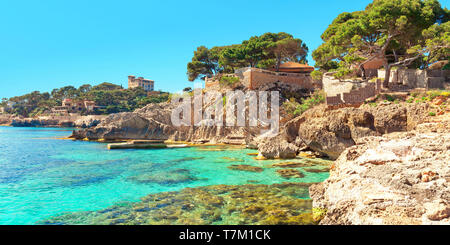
x=52 y=121
x=391 y=159
x=397 y=178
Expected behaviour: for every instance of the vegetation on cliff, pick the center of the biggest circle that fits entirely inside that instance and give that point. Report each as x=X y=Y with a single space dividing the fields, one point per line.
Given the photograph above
x=267 y=50
x=293 y=108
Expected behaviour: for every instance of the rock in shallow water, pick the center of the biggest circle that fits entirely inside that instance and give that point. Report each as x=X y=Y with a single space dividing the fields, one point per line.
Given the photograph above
x=290 y=173
x=164 y=177
x=277 y=147
x=244 y=167
x=221 y=204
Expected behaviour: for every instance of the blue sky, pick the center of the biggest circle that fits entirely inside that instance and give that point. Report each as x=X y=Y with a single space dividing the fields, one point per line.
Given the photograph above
x=51 y=44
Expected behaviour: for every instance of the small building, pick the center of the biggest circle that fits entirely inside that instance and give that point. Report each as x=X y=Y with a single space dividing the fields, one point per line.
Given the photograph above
x=74 y=106
x=89 y=105
x=290 y=73
x=371 y=67
x=293 y=67
x=146 y=84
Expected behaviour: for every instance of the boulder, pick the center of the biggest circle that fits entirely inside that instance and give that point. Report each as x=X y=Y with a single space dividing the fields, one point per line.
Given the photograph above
x=277 y=147
x=397 y=178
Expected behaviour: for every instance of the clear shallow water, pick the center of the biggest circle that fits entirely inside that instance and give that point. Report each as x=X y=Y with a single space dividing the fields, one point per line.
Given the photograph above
x=41 y=176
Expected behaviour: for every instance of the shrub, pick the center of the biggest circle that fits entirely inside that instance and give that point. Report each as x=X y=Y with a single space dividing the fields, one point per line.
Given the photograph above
x=433 y=94
x=295 y=108
x=432 y=114
x=425 y=98
x=317 y=75
x=389 y=97
x=410 y=100
x=228 y=81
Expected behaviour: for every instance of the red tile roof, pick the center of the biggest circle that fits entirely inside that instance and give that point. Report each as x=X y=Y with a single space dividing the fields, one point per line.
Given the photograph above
x=295 y=65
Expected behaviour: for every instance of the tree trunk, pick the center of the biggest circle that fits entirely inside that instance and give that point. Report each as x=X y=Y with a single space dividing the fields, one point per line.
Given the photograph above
x=387 y=75
x=363 y=72
x=277 y=68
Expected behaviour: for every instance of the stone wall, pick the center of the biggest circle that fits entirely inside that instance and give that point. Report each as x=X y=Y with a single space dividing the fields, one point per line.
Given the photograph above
x=356 y=96
x=211 y=84
x=416 y=78
x=332 y=86
x=259 y=77
x=254 y=78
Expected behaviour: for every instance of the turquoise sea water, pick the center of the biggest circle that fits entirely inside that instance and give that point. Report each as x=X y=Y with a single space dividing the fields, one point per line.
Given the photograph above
x=42 y=176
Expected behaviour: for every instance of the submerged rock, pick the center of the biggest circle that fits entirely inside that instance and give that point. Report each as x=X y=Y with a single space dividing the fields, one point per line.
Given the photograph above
x=399 y=178
x=291 y=165
x=317 y=170
x=278 y=204
x=164 y=177
x=244 y=167
x=290 y=173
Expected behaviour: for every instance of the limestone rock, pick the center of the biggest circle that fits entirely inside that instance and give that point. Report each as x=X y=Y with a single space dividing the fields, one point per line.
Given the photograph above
x=87 y=122
x=397 y=178
x=330 y=132
x=290 y=173
x=244 y=167
x=276 y=147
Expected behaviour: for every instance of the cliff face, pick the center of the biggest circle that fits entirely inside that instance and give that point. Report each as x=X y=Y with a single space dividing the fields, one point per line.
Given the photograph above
x=330 y=132
x=154 y=122
x=56 y=121
x=150 y=122
x=397 y=178
x=6 y=119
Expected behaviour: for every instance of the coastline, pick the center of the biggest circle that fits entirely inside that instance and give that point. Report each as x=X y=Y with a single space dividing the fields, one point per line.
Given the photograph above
x=81 y=168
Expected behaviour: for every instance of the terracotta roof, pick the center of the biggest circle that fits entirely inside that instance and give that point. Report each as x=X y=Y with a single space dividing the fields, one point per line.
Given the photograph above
x=294 y=65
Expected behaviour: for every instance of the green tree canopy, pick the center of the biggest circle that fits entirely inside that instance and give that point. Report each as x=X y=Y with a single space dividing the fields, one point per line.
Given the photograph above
x=106 y=86
x=204 y=63
x=112 y=97
x=267 y=50
x=397 y=31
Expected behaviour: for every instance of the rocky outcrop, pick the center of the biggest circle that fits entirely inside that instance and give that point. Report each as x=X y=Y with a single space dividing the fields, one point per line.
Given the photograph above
x=34 y=122
x=150 y=122
x=6 y=119
x=57 y=121
x=154 y=122
x=330 y=132
x=277 y=147
x=397 y=178
x=88 y=121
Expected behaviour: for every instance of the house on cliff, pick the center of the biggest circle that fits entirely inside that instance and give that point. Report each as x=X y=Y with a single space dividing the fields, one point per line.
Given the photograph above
x=146 y=84
x=291 y=73
x=74 y=106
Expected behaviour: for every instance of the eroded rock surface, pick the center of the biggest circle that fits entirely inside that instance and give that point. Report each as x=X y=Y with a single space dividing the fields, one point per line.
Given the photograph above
x=330 y=132
x=397 y=178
